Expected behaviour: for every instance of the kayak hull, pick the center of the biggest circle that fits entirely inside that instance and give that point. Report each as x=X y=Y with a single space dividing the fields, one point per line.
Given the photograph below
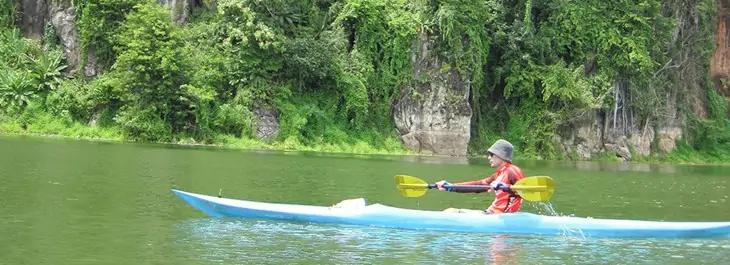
x=512 y=223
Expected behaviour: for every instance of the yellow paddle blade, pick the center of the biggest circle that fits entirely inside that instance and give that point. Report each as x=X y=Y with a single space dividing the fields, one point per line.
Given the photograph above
x=535 y=188
x=411 y=186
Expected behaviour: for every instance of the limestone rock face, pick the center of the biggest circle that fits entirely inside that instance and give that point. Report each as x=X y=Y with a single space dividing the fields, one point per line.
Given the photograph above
x=583 y=138
x=267 y=126
x=433 y=114
x=33 y=16
x=63 y=20
x=589 y=135
x=179 y=9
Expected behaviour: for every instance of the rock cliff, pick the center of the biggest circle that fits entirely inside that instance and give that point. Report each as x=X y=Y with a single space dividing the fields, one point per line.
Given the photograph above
x=180 y=9
x=33 y=16
x=433 y=114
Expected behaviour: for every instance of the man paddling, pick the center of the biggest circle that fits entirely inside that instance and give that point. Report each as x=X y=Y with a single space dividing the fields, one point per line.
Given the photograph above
x=506 y=201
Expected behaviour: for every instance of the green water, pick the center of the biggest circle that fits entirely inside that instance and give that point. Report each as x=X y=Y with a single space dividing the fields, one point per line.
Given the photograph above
x=79 y=202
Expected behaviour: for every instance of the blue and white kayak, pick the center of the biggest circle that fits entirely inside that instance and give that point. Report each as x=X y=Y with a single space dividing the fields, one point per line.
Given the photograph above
x=356 y=212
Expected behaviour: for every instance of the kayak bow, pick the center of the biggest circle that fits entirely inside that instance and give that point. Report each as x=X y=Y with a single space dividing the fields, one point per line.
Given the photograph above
x=356 y=212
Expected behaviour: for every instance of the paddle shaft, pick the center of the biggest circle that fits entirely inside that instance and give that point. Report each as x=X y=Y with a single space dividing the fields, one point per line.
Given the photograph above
x=466 y=188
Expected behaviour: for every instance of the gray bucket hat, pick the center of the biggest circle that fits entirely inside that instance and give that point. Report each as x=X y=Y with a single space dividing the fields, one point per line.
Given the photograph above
x=502 y=149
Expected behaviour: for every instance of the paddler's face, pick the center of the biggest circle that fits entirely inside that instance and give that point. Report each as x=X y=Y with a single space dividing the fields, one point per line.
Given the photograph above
x=494 y=160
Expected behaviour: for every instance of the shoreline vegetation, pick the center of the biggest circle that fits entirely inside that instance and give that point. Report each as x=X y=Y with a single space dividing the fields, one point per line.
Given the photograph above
x=109 y=135
x=82 y=132
x=332 y=72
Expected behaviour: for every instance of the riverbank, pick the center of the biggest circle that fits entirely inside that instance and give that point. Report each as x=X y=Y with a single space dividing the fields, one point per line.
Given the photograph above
x=682 y=155
x=52 y=128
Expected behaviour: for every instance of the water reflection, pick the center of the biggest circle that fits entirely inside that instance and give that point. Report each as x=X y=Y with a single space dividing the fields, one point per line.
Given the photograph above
x=601 y=166
x=229 y=241
x=606 y=166
x=235 y=241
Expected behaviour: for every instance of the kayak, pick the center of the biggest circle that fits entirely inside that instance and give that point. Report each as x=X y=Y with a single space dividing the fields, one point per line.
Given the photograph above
x=357 y=212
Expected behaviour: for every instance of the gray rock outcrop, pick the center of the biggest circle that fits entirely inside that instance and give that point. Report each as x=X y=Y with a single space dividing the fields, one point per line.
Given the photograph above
x=433 y=114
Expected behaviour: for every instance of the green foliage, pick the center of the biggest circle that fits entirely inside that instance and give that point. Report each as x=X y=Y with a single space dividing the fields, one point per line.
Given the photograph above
x=26 y=71
x=16 y=91
x=144 y=124
x=253 y=49
x=152 y=69
x=14 y=48
x=312 y=61
x=46 y=70
x=70 y=100
x=377 y=63
x=712 y=136
x=7 y=14
x=50 y=40
x=209 y=63
x=622 y=34
x=555 y=60
x=106 y=92
x=461 y=25
x=233 y=119
x=98 y=23
x=331 y=69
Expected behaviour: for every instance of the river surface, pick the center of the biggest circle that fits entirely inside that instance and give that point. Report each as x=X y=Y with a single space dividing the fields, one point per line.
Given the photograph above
x=67 y=201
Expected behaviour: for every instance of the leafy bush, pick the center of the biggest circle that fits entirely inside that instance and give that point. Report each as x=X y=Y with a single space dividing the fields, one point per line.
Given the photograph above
x=16 y=91
x=152 y=68
x=7 y=14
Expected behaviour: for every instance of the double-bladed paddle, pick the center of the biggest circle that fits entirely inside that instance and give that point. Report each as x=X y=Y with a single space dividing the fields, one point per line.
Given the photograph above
x=534 y=188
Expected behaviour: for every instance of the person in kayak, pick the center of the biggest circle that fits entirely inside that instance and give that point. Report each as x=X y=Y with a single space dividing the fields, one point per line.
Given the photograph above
x=506 y=201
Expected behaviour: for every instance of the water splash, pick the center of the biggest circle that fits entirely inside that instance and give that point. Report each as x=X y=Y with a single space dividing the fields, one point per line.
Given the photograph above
x=548 y=209
x=545 y=208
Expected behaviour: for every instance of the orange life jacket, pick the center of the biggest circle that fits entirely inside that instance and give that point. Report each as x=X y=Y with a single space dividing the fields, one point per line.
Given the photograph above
x=505 y=201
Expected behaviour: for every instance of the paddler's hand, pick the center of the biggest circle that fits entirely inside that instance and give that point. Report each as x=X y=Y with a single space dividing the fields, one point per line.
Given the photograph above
x=498 y=186
x=440 y=185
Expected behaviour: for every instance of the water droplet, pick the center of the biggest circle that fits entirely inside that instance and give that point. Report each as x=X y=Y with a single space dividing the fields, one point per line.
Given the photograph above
x=713 y=201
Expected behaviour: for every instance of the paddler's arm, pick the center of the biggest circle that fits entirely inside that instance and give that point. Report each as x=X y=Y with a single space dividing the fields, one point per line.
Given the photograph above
x=481 y=182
